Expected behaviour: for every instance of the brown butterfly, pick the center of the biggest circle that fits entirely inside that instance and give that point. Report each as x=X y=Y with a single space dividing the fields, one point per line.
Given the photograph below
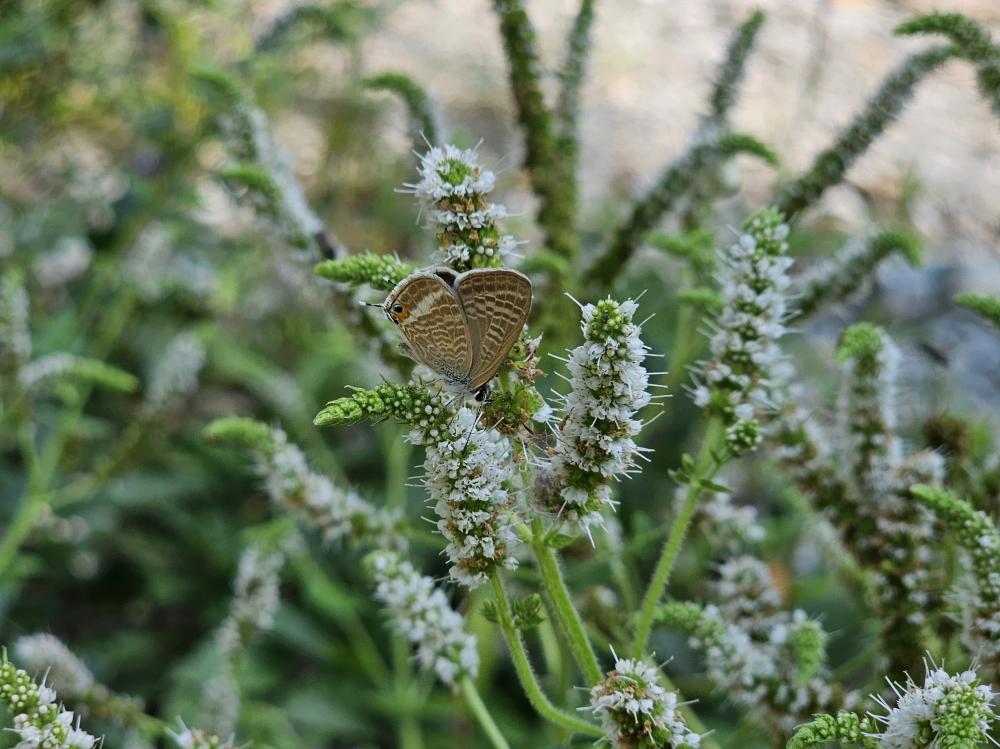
x=461 y=325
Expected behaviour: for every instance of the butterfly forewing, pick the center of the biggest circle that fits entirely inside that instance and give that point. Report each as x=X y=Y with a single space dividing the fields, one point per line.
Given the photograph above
x=433 y=324
x=496 y=303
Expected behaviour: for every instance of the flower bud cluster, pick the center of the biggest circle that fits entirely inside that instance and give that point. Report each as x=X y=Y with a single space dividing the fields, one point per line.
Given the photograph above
x=420 y=612
x=948 y=710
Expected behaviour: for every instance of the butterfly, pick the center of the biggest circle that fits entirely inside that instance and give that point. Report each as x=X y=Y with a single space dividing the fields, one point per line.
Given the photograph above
x=461 y=325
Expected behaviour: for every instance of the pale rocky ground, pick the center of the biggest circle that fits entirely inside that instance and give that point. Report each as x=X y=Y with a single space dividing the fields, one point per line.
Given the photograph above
x=650 y=71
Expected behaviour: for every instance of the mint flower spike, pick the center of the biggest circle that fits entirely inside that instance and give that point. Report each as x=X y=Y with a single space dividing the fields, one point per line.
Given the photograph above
x=596 y=441
x=381 y=272
x=730 y=73
x=736 y=383
x=987 y=307
x=15 y=336
x=468 y=472
x=65 y=673
x=774 y=667
x=637 y=712
x=313 y=499
x=979 y=597
x=831 y=165
x=843 y=275
x=948 y=711
x=844 y=727
x=419 y=106
x=452 y=192
x=251 y=611
x=420 y=612
x=469 y=477
x=54 y=369
x=263 y=168
x=873 y=452
x=39 y=721
x=175 y=374
x=567 y=109
x=971 y=41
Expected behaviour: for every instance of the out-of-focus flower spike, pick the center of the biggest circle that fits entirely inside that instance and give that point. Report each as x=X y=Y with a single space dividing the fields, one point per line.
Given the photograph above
x=420 y=612
x=381 y=272
x=316 y=501
x=736 y=383
x=175 y=374
x=979 y=597
x=843 y=275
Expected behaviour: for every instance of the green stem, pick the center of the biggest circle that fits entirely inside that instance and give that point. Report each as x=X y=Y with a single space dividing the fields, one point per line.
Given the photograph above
x=525 y=673
x=569 y=618
x=675 y=539
x=18 y=529
x=478 y=709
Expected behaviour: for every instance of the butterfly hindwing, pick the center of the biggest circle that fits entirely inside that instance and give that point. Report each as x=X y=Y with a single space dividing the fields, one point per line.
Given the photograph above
x=433 y=324
x=496 y=303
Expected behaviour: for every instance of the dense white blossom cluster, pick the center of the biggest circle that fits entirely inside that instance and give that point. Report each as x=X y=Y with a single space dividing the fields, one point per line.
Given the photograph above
x=318 y=502
x=736 y=381
x=420 y=612
x=948 y=710
x=468 y=474
x=608 y=386
x=452 y=192
x=40 y=722
x=637 y=712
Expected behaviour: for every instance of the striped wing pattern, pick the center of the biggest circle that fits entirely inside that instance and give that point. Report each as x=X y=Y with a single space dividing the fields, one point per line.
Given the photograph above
x=433 y=325
x=496 y=302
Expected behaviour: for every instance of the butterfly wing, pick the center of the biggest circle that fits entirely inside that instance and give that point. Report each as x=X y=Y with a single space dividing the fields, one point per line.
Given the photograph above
x=496 y=302
x=431 y=320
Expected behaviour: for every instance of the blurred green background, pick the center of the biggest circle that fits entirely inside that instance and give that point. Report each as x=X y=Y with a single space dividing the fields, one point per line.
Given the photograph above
x=112 y=211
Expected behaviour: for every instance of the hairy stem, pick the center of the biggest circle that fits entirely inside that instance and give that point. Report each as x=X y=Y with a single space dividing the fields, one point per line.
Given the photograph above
x=569 y=618
x=482 y=714
x=526 y=674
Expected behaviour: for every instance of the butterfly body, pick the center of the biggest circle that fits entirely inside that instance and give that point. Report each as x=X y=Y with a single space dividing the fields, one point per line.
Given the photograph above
x=461 y=325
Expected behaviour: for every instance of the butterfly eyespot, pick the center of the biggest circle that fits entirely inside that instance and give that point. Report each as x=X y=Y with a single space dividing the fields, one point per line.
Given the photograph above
x=397 y=308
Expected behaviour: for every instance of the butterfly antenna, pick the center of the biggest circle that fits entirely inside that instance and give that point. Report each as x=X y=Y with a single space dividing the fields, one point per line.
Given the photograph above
x=369 y=304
